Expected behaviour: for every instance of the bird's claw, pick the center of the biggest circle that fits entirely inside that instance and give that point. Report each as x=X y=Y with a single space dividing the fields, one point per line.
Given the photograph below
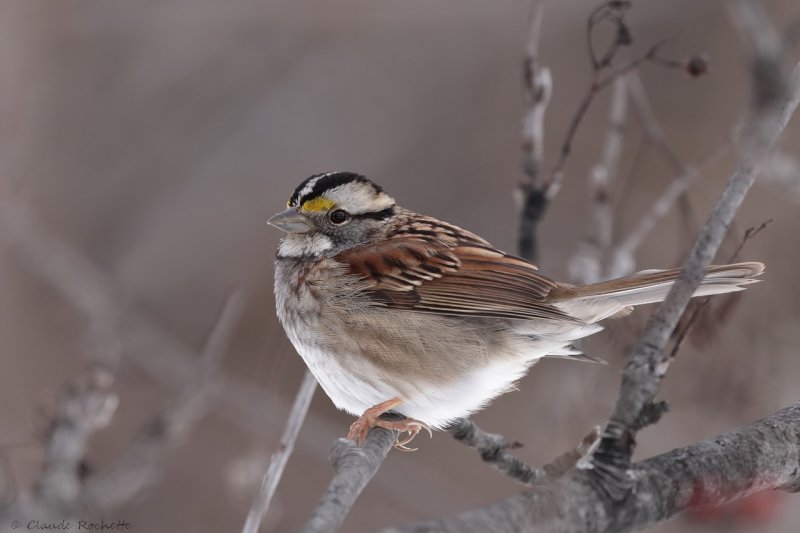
x=360 y=428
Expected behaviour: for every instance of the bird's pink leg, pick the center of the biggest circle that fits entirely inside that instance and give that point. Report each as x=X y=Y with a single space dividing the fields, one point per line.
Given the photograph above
x=371 y=418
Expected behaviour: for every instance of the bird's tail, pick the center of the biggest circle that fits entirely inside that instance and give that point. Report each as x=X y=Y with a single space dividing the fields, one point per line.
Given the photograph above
x=617 y=297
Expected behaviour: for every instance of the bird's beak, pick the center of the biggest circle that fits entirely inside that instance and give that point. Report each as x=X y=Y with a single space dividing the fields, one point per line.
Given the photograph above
x=290 y=221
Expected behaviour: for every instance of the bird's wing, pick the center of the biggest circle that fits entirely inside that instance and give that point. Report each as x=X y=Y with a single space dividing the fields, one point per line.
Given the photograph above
x=466 y=278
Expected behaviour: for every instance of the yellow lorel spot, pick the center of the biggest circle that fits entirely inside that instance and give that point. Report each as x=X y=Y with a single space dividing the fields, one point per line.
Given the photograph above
x=319 y=203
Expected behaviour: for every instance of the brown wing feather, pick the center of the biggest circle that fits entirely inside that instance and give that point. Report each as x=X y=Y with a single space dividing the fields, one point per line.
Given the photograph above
x=467 y=278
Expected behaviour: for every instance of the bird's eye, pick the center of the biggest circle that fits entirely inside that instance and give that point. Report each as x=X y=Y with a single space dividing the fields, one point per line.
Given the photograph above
x=339 y=216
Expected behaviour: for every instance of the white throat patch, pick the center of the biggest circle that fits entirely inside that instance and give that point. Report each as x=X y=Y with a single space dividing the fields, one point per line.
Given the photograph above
x=300 y=245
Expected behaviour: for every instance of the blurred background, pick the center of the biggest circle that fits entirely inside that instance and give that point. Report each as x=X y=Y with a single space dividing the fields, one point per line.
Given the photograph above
x=154 y=139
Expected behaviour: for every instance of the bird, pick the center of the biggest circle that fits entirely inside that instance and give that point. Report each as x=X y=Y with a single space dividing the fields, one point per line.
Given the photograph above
x=398 y=312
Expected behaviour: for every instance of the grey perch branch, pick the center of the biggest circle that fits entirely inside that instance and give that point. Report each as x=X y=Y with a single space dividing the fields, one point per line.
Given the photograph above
x=762 y=456
x=353 y=468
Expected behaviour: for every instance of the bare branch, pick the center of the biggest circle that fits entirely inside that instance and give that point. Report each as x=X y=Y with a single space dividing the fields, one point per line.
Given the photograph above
x=493 y=449
x=652 y=126
x=768 y=70
x=279 y=459
x=608 y=482
x=83 y=409
x=611 y=493
x=622 y=262
x=655 y=134
x=62 y=491
x=699 y=310
x=535 y=196
x=353 y=468
x=553 y=185
x=648 y=365
x=586 y=264
x=538 y=87
x=762 y=456
x=139 y=465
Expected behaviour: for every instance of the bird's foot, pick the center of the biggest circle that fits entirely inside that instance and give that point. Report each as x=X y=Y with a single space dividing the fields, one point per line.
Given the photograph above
x=371 y=418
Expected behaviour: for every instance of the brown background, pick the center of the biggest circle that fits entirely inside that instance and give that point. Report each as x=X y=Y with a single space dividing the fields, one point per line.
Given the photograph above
x=157 y=138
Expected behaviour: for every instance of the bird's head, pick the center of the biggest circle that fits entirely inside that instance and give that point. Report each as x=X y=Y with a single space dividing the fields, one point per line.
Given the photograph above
x=331 y=212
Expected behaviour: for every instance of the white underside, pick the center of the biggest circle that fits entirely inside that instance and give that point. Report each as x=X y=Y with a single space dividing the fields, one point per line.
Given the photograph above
x=436 y=405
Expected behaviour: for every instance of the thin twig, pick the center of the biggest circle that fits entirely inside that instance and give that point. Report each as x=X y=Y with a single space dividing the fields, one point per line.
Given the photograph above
x=622 y=262
x=749 y=233
x=586 y=264
x=599 y=82
x=536 y=194
x=655 y=134
x=652 y=126
x=701 y=307
x=493 y=449
x=279 y=459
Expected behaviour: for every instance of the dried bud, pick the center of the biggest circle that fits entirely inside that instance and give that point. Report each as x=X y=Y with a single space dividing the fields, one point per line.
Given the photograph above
x=696 y=66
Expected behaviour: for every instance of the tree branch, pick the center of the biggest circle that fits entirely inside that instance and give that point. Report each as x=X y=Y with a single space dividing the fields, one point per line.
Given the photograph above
x=536 y=194
x=593 y=497
x=622 y=262
x=94 y=294
x=586 y=264
x=656 y=135
x=538 y=87
x=762 y=456
x=62 y=490
x=493 y=449
x=647 y=366
x=83 y=409
x=353 y=468
x=279 y=459
x=611 y=494
x=138 y=466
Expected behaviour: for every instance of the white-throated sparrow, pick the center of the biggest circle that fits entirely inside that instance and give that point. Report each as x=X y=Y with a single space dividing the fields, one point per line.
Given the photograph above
x=392 y=310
